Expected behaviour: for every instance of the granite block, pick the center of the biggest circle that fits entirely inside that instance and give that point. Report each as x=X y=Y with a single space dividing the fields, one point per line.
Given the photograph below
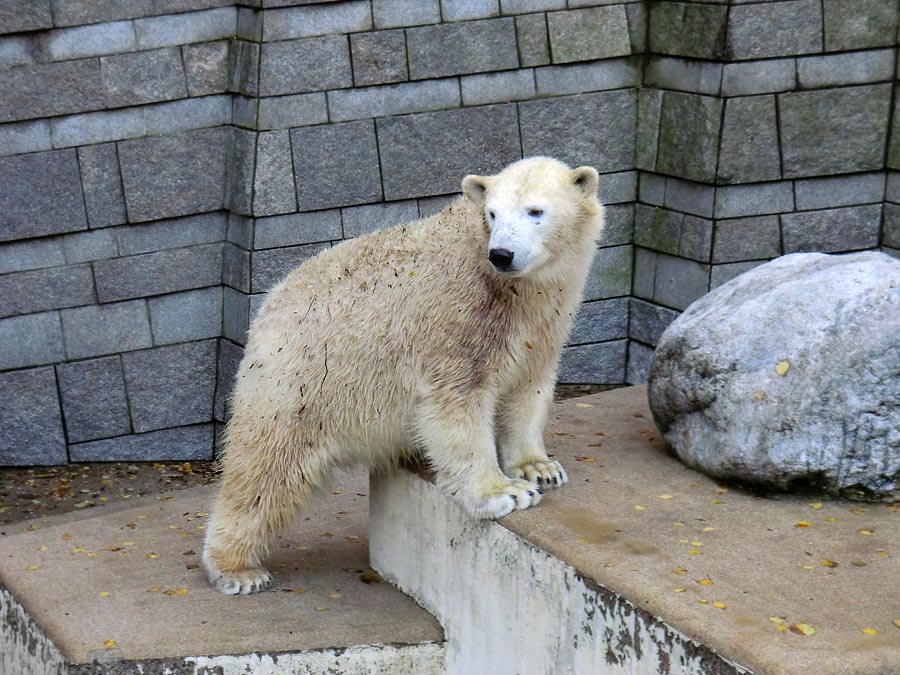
x=93 y=399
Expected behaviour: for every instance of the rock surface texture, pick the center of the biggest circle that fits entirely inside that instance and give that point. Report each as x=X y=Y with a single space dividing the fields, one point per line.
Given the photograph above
x=788 y=377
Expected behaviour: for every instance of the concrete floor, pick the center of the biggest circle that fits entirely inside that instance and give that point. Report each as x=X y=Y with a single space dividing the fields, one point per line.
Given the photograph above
x=131 y=575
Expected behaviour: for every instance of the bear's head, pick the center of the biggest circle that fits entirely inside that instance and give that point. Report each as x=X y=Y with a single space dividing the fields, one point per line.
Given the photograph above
x=541 y=215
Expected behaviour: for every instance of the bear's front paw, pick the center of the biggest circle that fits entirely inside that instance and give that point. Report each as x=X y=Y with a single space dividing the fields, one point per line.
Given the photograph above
x=545 y=473
x=503 y=498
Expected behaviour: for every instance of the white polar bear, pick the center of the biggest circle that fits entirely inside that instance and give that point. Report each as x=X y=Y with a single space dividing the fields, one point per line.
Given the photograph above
x=441 y=336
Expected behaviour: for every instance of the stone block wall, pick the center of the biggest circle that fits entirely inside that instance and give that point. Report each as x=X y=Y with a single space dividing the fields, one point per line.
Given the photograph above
x=765 y=128
x=163 y=163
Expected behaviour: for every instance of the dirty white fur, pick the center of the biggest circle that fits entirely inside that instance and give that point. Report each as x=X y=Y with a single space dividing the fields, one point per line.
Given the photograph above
x=409 y=340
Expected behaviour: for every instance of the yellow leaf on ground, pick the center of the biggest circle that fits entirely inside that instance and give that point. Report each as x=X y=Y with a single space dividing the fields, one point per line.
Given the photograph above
x=586 y=459
x=809 y=567
x=782 y=628
x=110 y=643
x=677 y=524
x=665 y=496
x=816 y=505
x=865 y=532
x=802 y=629
x=638 y=507
x=831 y=519
x=696 y=544
x=678 y=590
x=777 y=620
x=181 y=591
x=104 y=594
x=705 y=582
x=782 y=367
x=680 y=571
x=33 y=567
x=829 y=563
x=802 y=523
x=153 y=555
x=694 y=551
x=717 y=501
x=897 y=623
x=719 y=605
x=583 y=405
x=869 y=631
x=707 y=529
x=703 y=601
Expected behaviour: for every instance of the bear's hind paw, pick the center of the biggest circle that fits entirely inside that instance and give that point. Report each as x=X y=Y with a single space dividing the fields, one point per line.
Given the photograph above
x=241 y=582
x=545 y=473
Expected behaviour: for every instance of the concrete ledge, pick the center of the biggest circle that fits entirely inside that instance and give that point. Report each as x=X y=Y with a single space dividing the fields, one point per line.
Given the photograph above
x=120 y=591
x=643 y=566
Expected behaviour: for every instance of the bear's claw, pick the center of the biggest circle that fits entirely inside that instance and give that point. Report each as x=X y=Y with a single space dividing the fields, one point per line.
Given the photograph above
x=543 y=473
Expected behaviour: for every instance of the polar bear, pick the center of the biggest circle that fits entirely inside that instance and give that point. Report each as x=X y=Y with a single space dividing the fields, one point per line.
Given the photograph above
x=439 y=337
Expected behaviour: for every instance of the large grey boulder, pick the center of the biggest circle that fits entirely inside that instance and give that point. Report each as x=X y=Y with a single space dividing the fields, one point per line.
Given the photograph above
x=788 y=377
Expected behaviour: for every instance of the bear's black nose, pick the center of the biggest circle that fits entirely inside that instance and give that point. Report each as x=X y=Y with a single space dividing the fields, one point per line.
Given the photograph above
x=501 y=258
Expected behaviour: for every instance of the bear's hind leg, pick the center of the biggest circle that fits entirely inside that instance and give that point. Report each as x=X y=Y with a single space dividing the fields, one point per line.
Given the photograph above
x=248 y=512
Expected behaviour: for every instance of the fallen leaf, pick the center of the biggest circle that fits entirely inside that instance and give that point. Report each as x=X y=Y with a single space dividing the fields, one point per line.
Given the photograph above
x=110 y=643
x=809 y=567
x=585 y=459
x=370 y=578
x=719 y=605
x=694 y=551
x=717 y=501
x=831 y=519
x=31 y=568
x=638 y=507
x=677 y=524
x=816 y=505
x=802 y=629
x=802 y=523
x=696 y=544
x=707 y=529
x=665 y=496
x=321 y=609
x=181 y=591
x=865 y=532
x=152 y=555
x=42 y=548
x=680 y=571
x=897 y=623
x=857 y=563
x=703 y=602
x=705 y=582
x=777 y=620
x=678 y=590
x=782 y=367
x=583 y=405
x=782 y=628
x=104 y=594
x=869 y=631
x=336 y=595
x=829 y=563
x=113 y=548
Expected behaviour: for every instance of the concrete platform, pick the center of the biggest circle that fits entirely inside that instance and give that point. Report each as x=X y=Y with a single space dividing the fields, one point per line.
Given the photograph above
x=641 y=565
x=122 y=590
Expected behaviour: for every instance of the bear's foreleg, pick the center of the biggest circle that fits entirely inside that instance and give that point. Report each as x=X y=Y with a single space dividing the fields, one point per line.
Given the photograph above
x=457 y=436
x=521 y=418
x=249 y=510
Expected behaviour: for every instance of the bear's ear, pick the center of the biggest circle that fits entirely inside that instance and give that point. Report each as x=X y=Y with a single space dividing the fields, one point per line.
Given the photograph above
x=474 y=188
x=586 y=179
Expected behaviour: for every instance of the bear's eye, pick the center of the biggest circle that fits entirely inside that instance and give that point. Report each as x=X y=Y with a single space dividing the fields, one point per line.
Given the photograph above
x=535 y=213
x=491 y=215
